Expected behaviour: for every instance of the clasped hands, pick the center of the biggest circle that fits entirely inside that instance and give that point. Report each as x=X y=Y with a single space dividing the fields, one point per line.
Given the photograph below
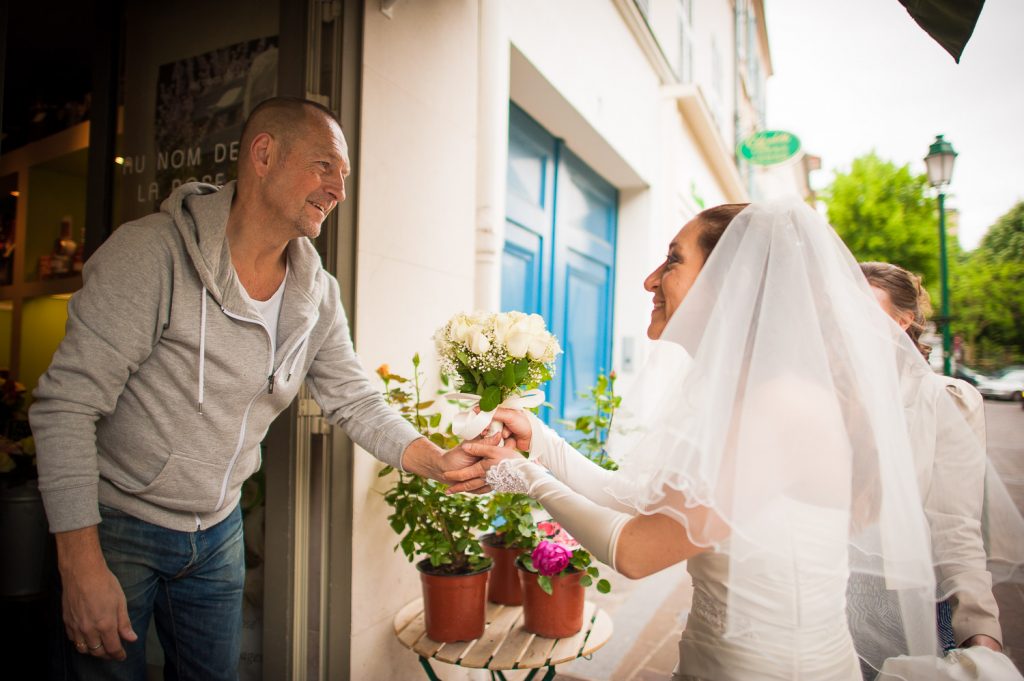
x=467 y=469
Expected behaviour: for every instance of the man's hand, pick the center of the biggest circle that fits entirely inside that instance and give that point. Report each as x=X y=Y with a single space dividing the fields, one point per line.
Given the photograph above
x=983 y=640
x=94 y=606
x=427 y=460
x=472 y=478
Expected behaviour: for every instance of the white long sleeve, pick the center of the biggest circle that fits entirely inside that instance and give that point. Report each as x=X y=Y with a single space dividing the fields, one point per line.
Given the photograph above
x=593 y=525
x=574 y=469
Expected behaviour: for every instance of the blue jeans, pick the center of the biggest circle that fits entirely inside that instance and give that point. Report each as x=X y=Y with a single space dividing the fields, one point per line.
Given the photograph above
x=190 y=583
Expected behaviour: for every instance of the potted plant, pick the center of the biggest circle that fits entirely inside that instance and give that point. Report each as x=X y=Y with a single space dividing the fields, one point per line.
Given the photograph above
x=595 y=427
x=553 y=578
x=23 y=527
x=498 y=360
x=438 y=528
x=515 y=532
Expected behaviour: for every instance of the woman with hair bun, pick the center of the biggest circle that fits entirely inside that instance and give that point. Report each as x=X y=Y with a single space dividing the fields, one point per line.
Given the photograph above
x=969 y=615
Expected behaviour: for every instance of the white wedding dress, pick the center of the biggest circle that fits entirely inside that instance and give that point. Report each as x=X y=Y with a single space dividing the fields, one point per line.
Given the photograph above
x=789 y=620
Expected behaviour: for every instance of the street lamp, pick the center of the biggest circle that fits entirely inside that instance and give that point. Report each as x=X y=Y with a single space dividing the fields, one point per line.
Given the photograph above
x=939 y=162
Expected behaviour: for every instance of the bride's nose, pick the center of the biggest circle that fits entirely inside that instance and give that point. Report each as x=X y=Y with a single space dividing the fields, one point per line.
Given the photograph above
x=653 y=280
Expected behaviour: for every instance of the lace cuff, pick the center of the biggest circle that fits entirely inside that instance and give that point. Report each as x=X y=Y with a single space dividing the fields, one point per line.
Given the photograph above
x=505 y=477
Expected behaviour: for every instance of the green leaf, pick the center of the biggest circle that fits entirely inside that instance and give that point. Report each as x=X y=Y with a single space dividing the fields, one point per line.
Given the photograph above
x=586 y=580
x=435 y=420
x=521 y=368
x=508 y=377
x=604 y=586
x=592 y=571
x=544 y=582
x=463 y=357
x=385 y=471
x=490 y=398
x=424 y=405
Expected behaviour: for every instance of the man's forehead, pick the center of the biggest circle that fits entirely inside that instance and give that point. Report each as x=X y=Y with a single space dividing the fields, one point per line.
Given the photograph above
x=328 y=139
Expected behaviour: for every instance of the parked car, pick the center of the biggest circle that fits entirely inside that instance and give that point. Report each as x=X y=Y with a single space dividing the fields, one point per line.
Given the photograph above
x=1008 y=386
x=970 y=375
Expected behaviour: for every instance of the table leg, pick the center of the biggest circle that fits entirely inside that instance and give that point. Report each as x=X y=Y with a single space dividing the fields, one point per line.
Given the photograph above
x=430 y=670
x=549 y=675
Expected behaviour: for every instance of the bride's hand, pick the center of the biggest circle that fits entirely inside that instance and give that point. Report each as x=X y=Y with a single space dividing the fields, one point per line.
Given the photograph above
x=471 y=478
x=983 y=640
x=515 y=426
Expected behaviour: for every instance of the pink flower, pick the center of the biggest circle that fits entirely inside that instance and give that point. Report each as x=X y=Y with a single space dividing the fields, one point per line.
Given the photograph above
x=566 y=540
x=550 y=558
x=556 y=533
x=549 y=528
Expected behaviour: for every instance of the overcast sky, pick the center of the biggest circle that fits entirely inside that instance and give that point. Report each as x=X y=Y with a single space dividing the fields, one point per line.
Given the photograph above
x=850 y=77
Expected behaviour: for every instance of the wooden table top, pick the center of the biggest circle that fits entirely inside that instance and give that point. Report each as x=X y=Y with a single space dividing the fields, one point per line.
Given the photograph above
x=504 y=644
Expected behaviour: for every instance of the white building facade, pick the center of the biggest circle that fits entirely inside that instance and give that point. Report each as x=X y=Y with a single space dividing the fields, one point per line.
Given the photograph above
x=532 y=155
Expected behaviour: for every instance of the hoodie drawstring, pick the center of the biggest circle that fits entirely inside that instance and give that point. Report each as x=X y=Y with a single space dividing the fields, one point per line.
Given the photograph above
x=202 y=351
x=297 y=356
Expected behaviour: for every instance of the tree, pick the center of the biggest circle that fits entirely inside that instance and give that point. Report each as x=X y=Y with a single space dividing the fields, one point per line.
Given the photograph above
x=1004 y=241
x=987 y=293
x=883 y=212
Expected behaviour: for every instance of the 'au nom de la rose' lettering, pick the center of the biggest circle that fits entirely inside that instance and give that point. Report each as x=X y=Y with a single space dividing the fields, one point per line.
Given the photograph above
x=179 y=158
x=151 y=192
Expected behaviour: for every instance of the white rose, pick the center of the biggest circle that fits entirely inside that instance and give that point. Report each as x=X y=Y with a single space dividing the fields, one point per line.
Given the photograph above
x=460 y=329
x=502 y=326
x=478 y=343
x=517 y=344
x=538 y=346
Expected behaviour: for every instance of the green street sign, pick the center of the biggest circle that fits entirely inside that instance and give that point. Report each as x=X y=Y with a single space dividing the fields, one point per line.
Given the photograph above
x=769 y=147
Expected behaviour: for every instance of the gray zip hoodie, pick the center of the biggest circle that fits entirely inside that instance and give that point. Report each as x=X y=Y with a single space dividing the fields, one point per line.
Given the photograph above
x=166 y=381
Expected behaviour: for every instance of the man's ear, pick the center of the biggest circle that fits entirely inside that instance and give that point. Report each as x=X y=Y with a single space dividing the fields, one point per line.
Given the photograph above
x=261 y=150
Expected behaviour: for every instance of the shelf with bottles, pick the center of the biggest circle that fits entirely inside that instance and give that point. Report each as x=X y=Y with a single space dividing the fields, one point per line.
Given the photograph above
x=44 y=190
x=42 y=213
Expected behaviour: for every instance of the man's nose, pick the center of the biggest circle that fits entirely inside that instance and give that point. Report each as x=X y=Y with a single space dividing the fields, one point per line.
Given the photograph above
x=335 y=187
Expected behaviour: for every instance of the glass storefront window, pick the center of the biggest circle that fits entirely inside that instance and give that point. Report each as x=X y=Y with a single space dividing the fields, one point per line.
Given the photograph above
x=43 y=171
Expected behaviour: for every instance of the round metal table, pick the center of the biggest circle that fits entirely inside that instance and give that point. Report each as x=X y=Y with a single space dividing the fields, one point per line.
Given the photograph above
x=504 y=645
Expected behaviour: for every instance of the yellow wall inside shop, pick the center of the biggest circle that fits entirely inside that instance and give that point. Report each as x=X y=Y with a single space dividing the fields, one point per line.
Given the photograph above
x=56 y=189
x=6 y=310
x=43 y=322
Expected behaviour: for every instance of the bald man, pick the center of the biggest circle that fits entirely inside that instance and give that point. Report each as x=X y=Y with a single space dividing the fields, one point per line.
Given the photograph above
x=194 y=329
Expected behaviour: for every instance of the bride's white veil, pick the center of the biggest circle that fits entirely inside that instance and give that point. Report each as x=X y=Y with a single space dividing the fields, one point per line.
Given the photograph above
x=784 y=400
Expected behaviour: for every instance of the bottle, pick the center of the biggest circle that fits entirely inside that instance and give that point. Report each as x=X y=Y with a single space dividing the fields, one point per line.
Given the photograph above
x=78 y=260
x=63 y=250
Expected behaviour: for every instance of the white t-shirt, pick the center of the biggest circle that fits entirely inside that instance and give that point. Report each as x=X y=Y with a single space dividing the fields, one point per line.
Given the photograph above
x=270 y=309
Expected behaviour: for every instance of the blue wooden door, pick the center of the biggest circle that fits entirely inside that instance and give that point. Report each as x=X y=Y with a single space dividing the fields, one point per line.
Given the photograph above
x=526 y=258
x=559 y=256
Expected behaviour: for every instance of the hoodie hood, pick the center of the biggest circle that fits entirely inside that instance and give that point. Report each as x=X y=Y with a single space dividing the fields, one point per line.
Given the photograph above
x=194 y=204
x=200 y=213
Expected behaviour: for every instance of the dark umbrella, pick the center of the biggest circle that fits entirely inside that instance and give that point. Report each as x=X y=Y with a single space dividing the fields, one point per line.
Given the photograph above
x=950 y=22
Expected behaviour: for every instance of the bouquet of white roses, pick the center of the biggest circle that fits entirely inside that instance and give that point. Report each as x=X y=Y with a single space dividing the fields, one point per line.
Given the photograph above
x=495 y=360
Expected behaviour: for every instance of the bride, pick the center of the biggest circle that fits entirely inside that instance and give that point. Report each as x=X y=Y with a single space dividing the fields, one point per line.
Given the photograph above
x=765 y=443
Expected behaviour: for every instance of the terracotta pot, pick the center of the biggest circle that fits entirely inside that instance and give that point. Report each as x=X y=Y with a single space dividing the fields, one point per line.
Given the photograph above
x=503 y=585
x=454 y=606
x=558 y=615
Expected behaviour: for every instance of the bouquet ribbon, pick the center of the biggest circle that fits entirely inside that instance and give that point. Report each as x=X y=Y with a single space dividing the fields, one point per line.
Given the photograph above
x=468 y=423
